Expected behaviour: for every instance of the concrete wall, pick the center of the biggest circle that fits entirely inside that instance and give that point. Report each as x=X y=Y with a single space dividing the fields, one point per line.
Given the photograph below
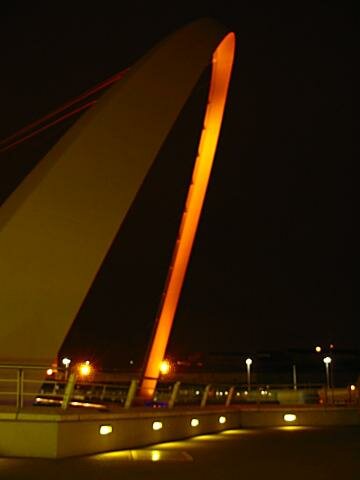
x=131 y=431
x=51 y=433
x=314 y=417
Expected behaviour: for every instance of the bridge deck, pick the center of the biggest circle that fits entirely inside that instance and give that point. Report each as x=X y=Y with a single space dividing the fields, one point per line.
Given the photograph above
x=274 y=453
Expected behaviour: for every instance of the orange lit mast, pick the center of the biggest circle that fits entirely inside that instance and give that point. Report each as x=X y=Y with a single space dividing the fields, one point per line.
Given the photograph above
x=222 y=61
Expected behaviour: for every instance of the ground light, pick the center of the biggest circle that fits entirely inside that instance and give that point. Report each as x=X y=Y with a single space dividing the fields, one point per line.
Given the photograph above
x=105 y=429
x=289 y=417
x=194 y=422
x=222 y=419
x=157 y=425
x=155 y=455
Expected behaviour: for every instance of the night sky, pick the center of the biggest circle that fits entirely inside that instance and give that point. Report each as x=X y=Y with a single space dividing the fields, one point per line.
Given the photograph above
x=271 y=266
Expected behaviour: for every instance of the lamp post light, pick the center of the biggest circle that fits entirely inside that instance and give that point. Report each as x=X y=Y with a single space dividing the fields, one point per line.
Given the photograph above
x=165 y=367
x=327 y=361
x=85 y=369
x=248 y=362
x=66 y=362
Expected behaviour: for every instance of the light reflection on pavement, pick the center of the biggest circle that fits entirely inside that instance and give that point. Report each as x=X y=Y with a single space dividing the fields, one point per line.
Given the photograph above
x=273 y=453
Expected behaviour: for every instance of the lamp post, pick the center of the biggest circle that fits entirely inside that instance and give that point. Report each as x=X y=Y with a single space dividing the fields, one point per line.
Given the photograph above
x=248 y=362
x=66 y=362
x=327 y=361
x=294 y=377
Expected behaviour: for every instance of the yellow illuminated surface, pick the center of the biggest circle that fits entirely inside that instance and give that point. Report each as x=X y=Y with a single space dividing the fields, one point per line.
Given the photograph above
x=222 y=61
x=155 y=455
x=157 y=425
x=207 y=438
x=293 y=428
x=175 y=445
x=166 y=454
x=105 y=429
x=240 y=432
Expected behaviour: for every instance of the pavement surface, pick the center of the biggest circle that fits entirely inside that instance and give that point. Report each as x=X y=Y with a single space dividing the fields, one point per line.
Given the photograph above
x=282 y=453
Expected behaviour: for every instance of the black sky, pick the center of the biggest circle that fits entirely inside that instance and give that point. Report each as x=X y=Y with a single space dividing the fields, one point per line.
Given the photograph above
x=271 y=267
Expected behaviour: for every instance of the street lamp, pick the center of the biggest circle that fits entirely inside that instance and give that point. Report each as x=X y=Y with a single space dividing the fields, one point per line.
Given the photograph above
x=85 y=369
x=327 y=361
x=66 y=362
x=248 y=362
x=165 y=367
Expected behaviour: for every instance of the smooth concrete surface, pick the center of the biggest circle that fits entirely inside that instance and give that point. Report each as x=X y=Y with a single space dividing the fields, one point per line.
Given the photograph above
x=305 y=416
x=57 y=434
x=50 y=251
x=284 y=453
x=53 y=433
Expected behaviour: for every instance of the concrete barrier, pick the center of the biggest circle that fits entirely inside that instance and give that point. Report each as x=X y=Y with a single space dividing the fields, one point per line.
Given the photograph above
x=53 y=433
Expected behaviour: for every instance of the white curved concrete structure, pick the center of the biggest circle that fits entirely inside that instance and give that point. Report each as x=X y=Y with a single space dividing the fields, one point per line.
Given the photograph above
x=58 y=225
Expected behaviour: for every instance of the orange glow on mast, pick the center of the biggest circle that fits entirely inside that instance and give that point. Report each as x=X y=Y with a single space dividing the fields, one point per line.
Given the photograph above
x=222 y=61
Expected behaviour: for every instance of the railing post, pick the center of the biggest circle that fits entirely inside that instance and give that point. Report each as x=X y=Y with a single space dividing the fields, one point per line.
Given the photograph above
x=19 y=388
x=103 y=392
x=230 y=396
x=205 y=395
x=174 y=394
x=69 y=389
x=131 y=393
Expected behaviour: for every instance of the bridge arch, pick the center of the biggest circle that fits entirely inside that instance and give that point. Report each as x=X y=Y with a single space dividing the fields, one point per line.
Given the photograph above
x=50 y=252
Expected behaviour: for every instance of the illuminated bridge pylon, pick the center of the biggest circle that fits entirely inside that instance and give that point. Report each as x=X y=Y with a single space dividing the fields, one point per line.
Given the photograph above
x=50 y=251
x=222 y=60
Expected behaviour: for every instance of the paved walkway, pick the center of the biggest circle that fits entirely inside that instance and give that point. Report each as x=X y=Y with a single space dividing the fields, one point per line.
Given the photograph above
x=294 y=453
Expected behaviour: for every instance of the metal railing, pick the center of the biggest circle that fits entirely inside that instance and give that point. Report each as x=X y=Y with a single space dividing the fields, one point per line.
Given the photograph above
x=17 y=385
x=22 y=385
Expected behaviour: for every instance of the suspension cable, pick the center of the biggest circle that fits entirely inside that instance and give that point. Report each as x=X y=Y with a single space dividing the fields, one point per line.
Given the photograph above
x=10 y=141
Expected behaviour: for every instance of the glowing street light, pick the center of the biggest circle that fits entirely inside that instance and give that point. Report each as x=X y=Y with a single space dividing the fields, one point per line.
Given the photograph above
x=248 y=362
x=85 y=369
x=327 y=361
x=318 y=349
x=165 y=367
x=66 y=362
